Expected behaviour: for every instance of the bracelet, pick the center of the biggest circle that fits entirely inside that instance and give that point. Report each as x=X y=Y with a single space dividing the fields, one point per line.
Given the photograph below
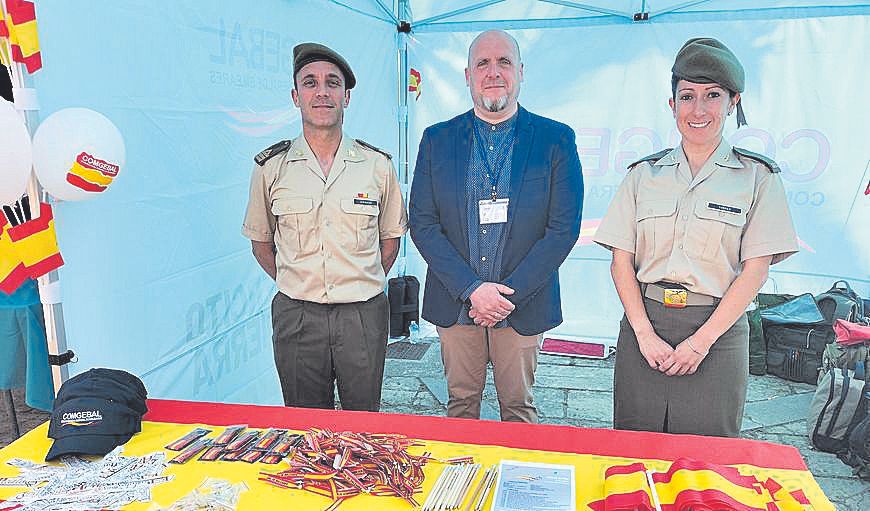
x=692 y=347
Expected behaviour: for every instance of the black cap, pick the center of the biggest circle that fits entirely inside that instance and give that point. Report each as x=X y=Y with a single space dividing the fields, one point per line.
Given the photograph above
x=96 y=411
x=90 y=426
x=306 y=53
x=122 y=377
x=103 y=387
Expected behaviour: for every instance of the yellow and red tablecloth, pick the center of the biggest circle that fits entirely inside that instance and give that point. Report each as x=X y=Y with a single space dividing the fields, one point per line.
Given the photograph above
x=591 y=451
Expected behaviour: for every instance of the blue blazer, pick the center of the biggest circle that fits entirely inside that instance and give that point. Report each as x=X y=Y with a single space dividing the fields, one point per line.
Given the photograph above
x=543 y=224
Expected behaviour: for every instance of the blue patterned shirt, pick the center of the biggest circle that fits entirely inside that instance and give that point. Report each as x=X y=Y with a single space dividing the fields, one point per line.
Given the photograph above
x=490 y=163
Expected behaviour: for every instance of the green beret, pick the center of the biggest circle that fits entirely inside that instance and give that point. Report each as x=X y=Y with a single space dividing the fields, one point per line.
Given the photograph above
x=706 y=60
x=306 y=53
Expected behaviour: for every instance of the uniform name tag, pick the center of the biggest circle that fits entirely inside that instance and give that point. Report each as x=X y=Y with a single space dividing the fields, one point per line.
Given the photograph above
x=493 y=211
x=723 y=208
x=365 y=202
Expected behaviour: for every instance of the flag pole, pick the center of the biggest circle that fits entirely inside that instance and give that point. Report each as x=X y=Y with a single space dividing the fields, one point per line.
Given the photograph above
x=49 y=284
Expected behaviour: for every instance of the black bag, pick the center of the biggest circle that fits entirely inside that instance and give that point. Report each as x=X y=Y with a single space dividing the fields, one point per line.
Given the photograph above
x=757 y=346
x=796 y=337
x=857 y=453
x=403 y=294
x=794 y=352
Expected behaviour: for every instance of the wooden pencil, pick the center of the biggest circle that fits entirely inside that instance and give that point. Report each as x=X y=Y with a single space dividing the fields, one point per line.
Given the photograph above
x=469 y=478
x=478 y=489
x=485 y=493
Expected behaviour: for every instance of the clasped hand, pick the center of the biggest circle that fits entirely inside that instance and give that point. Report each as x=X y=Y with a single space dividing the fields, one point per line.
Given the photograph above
x=489 y=305
x=661 y=356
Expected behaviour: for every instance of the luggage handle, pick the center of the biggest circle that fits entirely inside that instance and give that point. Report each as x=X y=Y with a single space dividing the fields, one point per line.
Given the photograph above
x=847 y=288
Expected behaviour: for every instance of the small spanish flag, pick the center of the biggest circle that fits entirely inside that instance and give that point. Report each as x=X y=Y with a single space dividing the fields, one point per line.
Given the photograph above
x=91 y=174
x=20 y=28
x=414 y=83
x=34 y=242
x=692 y=484
x=13 y=273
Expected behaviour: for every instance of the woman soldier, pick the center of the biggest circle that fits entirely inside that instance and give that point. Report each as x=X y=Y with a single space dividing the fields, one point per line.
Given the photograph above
x=693 y=231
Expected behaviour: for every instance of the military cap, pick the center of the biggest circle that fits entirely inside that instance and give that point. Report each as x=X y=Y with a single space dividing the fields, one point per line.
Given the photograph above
x=306 y=53
x=706 y=60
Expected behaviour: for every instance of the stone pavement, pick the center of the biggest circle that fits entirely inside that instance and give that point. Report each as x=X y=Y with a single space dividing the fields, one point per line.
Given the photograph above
x=578 y=392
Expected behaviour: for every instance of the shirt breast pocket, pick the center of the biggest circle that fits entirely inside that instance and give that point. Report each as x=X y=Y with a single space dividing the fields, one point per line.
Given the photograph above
x=655 y=227
x=715 y=230
x=295 y=222
x=362 y=219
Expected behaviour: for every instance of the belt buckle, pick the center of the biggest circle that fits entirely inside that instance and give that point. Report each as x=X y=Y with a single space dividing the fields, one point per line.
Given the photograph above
x=676 y=298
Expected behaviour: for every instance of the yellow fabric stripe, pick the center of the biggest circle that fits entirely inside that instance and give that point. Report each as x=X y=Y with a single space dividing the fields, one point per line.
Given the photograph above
x=626 y=483
x=707 y=480
x=9 y=259
x=37 y=246
x=25 y=36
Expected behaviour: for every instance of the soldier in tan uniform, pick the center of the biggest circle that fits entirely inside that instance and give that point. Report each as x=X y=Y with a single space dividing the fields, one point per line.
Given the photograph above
x=693 y=231
x=324 y=218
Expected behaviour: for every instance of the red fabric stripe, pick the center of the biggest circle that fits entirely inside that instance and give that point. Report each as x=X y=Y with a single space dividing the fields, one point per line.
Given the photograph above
x=48 y=264
x=31 y=227
x=20 y=11
x=33 y=62
x=634 y=501
x=4 y=30
x=800 y=496
x=707 y=499
x=624 y=469
x=14 y=279
x=603 y=442
x=85 y=185
x=771 y=486
x=731 y=474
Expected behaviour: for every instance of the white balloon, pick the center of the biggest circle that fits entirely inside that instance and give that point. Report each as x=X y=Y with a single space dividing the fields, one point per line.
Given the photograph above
x=16 y=154
x=77 y=153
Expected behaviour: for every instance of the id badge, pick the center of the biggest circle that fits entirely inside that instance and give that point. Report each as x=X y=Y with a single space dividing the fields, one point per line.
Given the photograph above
x=676 y=298
x=493 y=211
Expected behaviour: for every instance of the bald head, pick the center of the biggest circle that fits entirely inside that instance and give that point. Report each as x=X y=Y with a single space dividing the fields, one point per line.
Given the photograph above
x=498 y=35
x=493 y=75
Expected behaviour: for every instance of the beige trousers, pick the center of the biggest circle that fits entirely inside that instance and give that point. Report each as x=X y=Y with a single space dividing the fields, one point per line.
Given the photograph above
x=466 y=350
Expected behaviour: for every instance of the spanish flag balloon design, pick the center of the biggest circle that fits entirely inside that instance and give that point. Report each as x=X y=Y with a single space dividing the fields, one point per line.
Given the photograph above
x=77 y=154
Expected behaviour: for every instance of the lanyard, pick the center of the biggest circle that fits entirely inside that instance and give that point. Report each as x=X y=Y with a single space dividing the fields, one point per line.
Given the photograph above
x=492 y=173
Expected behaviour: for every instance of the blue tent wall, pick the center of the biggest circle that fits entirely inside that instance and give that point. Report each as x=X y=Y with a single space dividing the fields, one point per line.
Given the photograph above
x=159 y=280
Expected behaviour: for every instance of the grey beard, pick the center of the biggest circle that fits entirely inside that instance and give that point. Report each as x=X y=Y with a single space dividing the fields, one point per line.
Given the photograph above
x=495 y=105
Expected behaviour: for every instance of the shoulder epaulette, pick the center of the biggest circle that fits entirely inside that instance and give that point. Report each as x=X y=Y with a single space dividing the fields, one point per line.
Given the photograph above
x=653 y=157
x=760 y=158
x=271 y=151
x=373 y=148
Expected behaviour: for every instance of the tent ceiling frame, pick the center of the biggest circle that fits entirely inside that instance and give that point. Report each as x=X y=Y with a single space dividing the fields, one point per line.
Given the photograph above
x=388 y=11
x=465 y=10
x=590 y=8
x=678 y=7
x=392 y=21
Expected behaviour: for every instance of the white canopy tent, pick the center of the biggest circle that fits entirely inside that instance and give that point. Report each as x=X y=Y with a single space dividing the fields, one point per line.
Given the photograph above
x=158 y=279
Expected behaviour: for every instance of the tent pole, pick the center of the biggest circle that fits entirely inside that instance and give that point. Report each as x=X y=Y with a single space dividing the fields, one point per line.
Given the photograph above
x=49 y=285
x=404 y=12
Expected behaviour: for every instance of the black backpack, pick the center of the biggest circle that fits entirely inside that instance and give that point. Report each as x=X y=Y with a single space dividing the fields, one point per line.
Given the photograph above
x=403 y=294
x=857 y=453
x=840 y=302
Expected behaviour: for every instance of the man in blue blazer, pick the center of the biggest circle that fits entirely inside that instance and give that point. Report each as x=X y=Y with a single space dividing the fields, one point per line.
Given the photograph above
x=494 y=210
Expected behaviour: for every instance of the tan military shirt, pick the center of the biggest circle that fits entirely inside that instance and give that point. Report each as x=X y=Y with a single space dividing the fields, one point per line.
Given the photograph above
x=698 y=232
x=327 y=230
